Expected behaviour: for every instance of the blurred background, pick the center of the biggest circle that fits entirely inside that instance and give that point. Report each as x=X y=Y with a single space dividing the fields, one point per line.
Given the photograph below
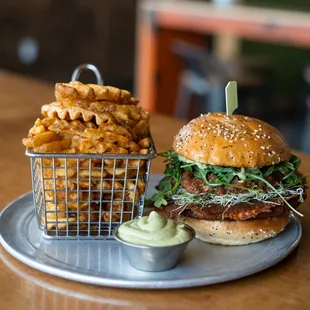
x=176 y=56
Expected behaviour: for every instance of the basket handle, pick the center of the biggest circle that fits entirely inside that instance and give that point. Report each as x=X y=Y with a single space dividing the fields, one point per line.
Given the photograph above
x=79 y=69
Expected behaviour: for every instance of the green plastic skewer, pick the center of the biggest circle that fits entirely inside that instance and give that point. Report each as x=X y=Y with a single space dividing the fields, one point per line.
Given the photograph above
x=231 y=98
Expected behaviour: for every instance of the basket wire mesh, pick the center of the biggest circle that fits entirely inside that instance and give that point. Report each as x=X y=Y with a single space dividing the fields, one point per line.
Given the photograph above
x=86 y=195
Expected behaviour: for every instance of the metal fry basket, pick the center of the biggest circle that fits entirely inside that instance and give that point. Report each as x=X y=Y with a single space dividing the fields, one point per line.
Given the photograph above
x=79 y=196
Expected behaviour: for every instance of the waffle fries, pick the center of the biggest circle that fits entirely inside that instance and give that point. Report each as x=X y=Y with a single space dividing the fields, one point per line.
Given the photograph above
x=77 y=190
x=76 y=91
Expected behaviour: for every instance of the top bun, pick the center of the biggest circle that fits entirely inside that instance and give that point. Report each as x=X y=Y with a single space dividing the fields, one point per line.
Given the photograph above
x=231 y=141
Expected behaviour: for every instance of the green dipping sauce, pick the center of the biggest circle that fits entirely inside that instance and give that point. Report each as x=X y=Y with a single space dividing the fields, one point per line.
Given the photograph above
x=153 y=230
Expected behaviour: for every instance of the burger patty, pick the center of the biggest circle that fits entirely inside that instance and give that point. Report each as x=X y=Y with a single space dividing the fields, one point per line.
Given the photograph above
x=198 y=186
x=241 y=211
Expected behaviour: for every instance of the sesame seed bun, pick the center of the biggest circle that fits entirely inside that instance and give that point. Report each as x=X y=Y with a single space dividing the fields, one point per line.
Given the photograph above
x=235 y=141
x=236 y=232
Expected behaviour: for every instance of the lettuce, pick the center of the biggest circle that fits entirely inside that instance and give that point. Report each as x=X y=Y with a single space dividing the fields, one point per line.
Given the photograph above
x=169 y=188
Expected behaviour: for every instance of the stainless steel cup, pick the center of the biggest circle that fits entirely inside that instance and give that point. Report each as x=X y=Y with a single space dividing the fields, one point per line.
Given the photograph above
x=154 y=258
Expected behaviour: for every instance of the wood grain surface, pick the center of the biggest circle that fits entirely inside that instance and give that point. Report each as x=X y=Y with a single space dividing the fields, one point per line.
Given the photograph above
x=284 y=286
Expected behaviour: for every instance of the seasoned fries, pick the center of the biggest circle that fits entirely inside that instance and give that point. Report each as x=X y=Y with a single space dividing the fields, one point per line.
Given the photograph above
x=77 y=91
x=81 y=193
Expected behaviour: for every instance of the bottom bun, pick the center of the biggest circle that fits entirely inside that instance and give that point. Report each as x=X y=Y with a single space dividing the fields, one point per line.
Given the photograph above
x=236 y=232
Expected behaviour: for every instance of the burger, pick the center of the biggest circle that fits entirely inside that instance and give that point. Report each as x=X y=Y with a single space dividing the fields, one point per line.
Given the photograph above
x=232 y=178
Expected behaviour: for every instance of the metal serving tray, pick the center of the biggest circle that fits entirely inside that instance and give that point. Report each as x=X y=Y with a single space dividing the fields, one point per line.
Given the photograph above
x=103 y=262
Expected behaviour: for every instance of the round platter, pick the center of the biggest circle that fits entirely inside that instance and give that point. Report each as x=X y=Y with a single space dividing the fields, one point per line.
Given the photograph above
x=103 y=262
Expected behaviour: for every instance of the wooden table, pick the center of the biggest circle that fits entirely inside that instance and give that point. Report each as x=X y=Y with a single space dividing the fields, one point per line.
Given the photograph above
x=284 y=286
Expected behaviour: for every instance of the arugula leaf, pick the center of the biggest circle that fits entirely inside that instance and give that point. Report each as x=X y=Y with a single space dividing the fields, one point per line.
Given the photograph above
x=222 y=176
x=171 y=181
